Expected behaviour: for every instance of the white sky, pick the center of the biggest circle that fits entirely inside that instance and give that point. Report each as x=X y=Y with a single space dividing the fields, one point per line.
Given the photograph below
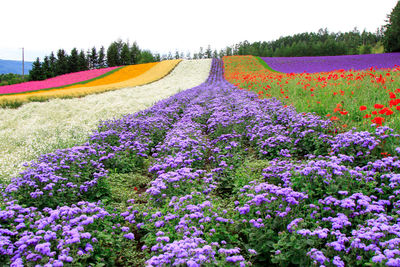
x=42 y=26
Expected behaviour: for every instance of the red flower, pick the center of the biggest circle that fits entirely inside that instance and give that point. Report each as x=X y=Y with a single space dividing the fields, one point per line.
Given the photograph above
x=378 y=106
x=374 y=112
x=378 y=120
x=363 y=108
x=135 y=188
x=343 y=112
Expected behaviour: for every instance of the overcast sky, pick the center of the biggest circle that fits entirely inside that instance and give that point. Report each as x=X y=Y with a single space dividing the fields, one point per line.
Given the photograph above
x=42 y=26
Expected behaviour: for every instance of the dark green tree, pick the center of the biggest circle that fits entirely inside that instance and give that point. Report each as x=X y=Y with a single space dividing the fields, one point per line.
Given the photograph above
x=146 y=56
x=113 y=55
x=201 y=53
x=125 y=55
x=215 y=53
x=52 y=62
x=391 y=38
x=35 y=74
x=135 y=53
x=62 y=62
x=101 y=60
x=46 y=69
x=73 y=61
x=93 y=58
x=157 y=57
x=83 y=63
x=208 y=53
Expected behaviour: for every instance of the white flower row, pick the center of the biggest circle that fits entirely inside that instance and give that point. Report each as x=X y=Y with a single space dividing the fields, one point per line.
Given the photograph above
x=38 y=128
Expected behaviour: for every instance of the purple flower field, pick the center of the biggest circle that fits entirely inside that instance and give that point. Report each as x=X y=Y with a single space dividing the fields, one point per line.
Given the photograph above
x=235 y=181
x=332 y=63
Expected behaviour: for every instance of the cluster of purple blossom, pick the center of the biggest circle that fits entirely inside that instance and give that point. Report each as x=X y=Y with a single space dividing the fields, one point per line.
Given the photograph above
x=331 y=63
x=314 y=197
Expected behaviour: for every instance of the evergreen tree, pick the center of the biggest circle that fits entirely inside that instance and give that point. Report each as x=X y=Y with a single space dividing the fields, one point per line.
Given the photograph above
x=176 y=54
x=101 y=59
x=113 y=56
x=201 y=53
x=93 y=58
x=62 y=62
x=135 y=53
x=157 y=57
x=52 y=62
x=221 y=53
x=73 y=61
x=83 y=63
x=188 y=55
x=215 y=54
x=46 y=69
x=35 y=74
x=391 y=38
x=125 y=55
x=208 y=53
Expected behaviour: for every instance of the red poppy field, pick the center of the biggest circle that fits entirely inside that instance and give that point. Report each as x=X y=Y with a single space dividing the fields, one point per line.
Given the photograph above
x=350 y=98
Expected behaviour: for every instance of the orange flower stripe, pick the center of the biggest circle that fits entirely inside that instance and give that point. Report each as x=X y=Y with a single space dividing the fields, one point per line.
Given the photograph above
x=133 y=75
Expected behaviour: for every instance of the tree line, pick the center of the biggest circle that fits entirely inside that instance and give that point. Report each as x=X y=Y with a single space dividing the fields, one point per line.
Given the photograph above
x=118 y=53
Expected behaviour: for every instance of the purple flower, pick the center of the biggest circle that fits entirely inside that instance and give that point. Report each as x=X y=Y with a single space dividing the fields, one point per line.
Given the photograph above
x=129 y=236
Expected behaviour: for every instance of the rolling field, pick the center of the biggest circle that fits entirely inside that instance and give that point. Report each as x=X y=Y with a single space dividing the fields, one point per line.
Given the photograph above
x=224 y=163
x=41 y=127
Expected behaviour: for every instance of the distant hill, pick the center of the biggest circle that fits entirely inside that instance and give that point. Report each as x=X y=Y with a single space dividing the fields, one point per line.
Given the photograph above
x=14 y=66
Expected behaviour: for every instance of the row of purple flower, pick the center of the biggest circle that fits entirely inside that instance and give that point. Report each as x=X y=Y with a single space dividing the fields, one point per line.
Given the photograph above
x=319 y=197
x=332 y=63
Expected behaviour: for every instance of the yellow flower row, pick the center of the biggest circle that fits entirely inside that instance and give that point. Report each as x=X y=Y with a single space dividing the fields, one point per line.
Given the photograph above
x=129 y=76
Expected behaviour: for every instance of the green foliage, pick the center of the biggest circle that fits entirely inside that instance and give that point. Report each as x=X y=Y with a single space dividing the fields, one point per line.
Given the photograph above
x=36 y=74
x=146 y=56
x=73 y=61
x=101 y=58
x=12 y=78
x=125 y=186
x=61 y=63
x=391 y=40
x=93 y=58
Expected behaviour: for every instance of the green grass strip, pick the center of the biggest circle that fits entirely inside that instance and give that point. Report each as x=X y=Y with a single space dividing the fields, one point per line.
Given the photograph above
x=67 y=85
x=266 y=65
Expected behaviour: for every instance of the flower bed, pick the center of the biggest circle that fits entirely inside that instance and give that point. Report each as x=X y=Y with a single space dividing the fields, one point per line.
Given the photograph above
x=140 y=75
x=350 y=98
x=332 y=63
x=38 y=128
x=236 y=180
x=58 y=81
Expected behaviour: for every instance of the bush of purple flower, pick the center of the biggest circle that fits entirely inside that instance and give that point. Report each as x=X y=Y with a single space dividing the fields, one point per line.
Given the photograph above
x=234 y=181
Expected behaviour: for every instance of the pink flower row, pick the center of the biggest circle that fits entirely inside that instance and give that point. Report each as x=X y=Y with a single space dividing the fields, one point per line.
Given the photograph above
x=58 y=81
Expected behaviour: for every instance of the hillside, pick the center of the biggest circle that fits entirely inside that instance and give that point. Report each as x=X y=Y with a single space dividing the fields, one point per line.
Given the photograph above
x=14 y=66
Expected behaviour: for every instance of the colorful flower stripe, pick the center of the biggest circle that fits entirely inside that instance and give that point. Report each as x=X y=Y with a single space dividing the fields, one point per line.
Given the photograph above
x=331 y=63
x=153 y=74
x=39 y=128
x=55 y=82
x=351 y=98
x=121 y=75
